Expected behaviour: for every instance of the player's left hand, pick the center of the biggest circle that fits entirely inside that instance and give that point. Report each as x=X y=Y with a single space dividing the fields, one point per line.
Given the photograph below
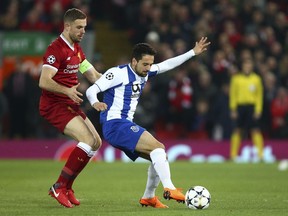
x=100 y=106
x=201 y=46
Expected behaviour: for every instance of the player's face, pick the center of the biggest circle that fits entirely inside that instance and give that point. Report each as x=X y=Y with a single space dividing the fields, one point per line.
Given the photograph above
x=143 y=66
x=77 y=30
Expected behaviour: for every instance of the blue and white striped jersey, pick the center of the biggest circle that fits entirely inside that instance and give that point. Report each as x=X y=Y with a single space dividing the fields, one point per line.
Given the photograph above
x=122 y=88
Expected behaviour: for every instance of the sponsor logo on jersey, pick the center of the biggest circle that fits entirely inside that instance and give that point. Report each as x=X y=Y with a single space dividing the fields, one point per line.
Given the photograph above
x=71 y=68
x=136 y=88
x=137 y=95
x=134 y=128
x=51 y=59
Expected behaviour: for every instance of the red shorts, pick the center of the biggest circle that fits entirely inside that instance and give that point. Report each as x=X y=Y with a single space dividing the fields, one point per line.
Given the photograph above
x=59 y=114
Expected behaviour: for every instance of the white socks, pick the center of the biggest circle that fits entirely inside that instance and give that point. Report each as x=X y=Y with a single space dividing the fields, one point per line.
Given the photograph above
x=161 y=165
x=153 y=181
x=85 y=147
x=88 y=149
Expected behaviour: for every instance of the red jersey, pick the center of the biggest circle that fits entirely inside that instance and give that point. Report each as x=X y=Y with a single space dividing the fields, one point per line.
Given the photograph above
x=66 y=59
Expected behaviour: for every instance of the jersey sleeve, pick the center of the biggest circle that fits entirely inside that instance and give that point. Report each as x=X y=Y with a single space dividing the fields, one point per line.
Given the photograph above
x=111 y=78
x=174 y=62
x=153 y=70
x=52 y=57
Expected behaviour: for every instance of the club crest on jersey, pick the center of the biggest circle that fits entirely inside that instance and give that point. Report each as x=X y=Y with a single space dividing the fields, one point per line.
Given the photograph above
x=79 y=56
x=134 y=128
x=51 y=59
x=109 y=76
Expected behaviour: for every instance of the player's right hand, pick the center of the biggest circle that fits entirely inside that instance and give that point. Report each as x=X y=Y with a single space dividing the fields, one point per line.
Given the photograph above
x=74 y=94
x=201 y=46
x=100 y=106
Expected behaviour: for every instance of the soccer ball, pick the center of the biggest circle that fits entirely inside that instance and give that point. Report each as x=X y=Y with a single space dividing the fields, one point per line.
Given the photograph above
x=197 y=197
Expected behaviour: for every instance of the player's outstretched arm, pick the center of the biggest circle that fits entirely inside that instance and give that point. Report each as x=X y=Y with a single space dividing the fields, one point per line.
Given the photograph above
x=201 y=46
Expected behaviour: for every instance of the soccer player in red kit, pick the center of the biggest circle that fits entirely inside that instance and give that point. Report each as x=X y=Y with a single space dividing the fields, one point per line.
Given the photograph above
x=60 y=101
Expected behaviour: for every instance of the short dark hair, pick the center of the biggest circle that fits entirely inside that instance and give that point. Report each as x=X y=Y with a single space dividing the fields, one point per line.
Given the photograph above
x=141 y=49
x=73 y=14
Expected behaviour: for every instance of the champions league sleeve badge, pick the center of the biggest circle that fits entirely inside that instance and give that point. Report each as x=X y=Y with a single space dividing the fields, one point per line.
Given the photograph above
x=51 y=59
x=109 y=76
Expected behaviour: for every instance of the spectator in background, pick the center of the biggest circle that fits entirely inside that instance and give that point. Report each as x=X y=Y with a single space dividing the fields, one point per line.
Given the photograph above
x=283 y=70
x=206 y=91
x=55 y=23
x=33 y=21
x=232 y=33
x=205 y=88
x=3 y=110
x=222 y=127
x=270 y=89
x=220 y=66
x=21 y=90
x=180 y=95
x=279 y=114
x=9 y=19
x=246 y=104
x=199 y=123
x=145 y=113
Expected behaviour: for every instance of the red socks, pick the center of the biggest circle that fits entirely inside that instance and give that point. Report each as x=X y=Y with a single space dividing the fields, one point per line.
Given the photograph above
x=76 y=162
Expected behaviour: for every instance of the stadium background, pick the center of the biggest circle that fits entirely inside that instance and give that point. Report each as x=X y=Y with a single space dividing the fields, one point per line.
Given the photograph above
x=186 y=108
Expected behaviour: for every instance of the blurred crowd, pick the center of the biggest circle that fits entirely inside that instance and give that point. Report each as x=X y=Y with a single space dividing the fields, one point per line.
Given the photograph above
x=192 y=101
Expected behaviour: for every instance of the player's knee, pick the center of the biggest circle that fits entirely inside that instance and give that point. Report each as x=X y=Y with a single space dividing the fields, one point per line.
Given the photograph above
x=94 y=141
x=159 y=145
x=97 y=143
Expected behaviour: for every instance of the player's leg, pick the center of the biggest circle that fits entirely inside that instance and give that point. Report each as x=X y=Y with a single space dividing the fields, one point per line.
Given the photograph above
x=235 y=143
x=258 y=141
x=149 y=198
x=147 y=144
x=78 y=129
x=256 y=135
x=93 y=150
x=239 y=124
x=95 y=146
x=153 y=181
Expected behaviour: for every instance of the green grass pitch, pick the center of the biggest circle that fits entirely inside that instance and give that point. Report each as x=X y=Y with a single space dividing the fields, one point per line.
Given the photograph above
x=115 y=188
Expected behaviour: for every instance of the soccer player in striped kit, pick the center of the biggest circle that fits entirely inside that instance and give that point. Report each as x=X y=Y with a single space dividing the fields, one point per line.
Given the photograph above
x=60 y=101
x=122 y=87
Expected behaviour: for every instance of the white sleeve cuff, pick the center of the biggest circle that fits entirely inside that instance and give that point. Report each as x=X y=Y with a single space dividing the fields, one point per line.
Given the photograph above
x=91 y=94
